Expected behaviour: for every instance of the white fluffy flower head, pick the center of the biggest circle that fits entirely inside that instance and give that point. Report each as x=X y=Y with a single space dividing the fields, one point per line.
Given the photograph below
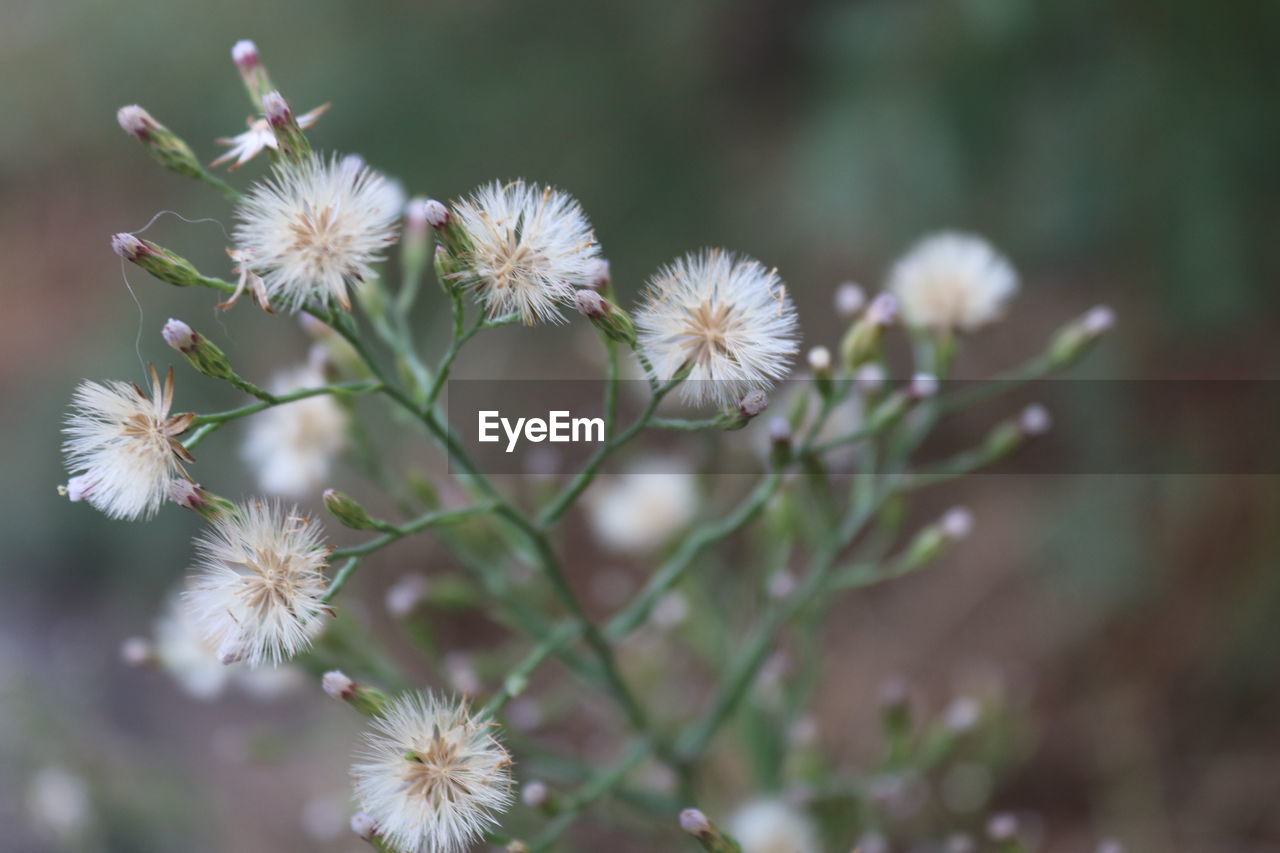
x=258 y=591
x=291 y=447
x=726 y=316
x=530 y=248
x=772 y=826
x=430 y=776
x=314 y=230
x=638 y=511
x=123 y=446
x=953 y=281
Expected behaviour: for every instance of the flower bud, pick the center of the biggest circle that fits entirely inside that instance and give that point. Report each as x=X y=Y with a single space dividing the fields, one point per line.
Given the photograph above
x=245 y=55
x=1075 y=339
x=517 y=846
x=849 y=300
x=363 y=826
x=869 y=379
x=337 y=685
x=956 y=523
x=435 y=213
x=192 y=496
x=204 y=355
x=711 y=837
x=161 y=263
x=137 y=651
x=164 y=146
x=346 y=510
x=1034 y=420
x=290 y=141
x=367 y=700
x=923 y=386
x=695 y=823
x=861 y=343
x=607 y=317
x=1002 y=827
x=753 y=403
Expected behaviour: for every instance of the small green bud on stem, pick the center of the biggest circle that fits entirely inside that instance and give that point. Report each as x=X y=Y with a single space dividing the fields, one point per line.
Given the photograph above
x=862 y=342
x=292 y=143
x=607 y=317
x=200 y=352
x=710 y=836
x=161 y=263
x=367 y=700
x=345 y=509
x=204 y=503
x=164 y=146
x=1075 y=339
x=254 y=74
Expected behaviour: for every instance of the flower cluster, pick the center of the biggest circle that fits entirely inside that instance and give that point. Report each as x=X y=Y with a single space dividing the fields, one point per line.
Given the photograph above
x=311 y=237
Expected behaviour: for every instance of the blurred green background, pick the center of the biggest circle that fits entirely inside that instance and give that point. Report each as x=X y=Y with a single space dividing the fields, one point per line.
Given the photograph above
x=1121 y=152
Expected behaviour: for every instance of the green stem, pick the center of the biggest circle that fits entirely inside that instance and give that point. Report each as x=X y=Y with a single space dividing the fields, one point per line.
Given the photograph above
x=206 y=424
x=590 y=792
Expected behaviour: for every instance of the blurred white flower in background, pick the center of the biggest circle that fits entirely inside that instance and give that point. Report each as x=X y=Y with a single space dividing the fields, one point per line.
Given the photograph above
x=58 y=804
x=727 y=315
x=773 y=826
x=952 y=281
x=182 y=651
x=291 y=448
x=639 y=511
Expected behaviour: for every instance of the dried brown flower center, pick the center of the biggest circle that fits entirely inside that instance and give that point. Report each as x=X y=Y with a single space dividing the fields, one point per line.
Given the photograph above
x=435 y=772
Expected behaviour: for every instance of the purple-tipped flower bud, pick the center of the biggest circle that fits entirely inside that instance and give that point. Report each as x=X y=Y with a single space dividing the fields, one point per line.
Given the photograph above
x=435 y=213
x=244 y=54
x=128 y=247
x=363 y=826
x=1100 y=320
x=276 y=109
x=136 y=122
x=337 y=685
x=607 y=317
x=137 y=651
x=165 y=147
x=1034 y=420
x=695 y=823
x=1002 y=827
x=923 y=386
x=201 y=353
x=366 y=700
x=179 y=335
x=861 y=343
x=199 y=500
x=753 y=403
x=1074 y=339
x=590 y=304
x=956 y=523
x=849 y=300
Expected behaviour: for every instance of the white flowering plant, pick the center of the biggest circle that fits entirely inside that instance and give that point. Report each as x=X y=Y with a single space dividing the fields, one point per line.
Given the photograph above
x=439 y=767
